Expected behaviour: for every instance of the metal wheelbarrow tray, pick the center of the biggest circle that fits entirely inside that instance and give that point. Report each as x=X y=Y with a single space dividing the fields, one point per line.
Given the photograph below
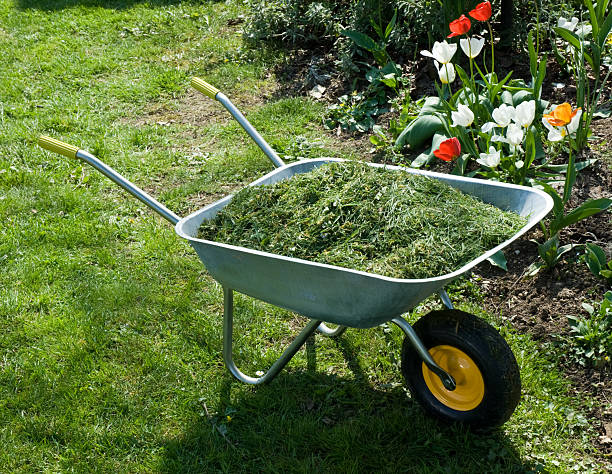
x=457 y=366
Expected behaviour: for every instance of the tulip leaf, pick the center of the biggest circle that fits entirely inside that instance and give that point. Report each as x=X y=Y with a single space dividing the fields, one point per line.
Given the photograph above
x=419 y=131
x=506 y=97
x=537 y=85
x=390 y=26
x=521 y=96
x=550 y=251
x=428 y=155
x=594 y=18
x=498 y=259
x=530 y=153
x=579 y=166
x=431 y=105
x=573 y=39
x=533 y=57
x=558 y=202
x=462 y=75
x=605 y=30
x=595 y=258
x=500 y=84
x=540 y=153
x=587 y=209
x=362 y=40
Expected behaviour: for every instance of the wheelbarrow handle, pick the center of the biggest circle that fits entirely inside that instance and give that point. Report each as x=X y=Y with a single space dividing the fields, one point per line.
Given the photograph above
x=71 y=151
x=204 y=87
x=214 y=93
x=57 y=146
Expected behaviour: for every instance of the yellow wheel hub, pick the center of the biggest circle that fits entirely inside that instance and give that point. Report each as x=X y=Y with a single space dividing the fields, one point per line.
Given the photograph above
x=470 y=384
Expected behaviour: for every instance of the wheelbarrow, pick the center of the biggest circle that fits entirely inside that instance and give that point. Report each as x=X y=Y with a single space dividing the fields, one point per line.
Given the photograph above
x=456 y=366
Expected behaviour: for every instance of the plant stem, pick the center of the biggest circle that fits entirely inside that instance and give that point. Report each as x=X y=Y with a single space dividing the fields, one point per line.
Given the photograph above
x=570 y=175
x=471 y=61
x=450 y=93
x=492 y=51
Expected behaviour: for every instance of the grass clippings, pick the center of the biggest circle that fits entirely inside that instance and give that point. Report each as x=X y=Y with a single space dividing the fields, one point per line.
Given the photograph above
x=366 y=218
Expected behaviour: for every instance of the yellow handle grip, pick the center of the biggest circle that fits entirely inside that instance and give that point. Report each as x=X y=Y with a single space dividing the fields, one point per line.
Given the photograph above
x=57 y=146
x=204 y=87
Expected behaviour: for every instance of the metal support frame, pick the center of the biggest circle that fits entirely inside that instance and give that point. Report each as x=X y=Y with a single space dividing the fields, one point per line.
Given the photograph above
x=324 y=330
x=228 y=326
x=445 y=299
x=447 y=380
x=309 y=329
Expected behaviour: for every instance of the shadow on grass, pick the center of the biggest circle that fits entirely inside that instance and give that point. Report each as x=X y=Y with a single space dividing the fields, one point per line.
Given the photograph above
x=50 y=5
x=305 y=421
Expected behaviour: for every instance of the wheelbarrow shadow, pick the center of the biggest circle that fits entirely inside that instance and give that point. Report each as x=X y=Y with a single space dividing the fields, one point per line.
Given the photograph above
x=307 y=421
x=49 y=5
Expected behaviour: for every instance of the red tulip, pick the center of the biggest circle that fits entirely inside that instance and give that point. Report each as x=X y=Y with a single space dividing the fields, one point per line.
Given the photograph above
x=482 y=12
x=449 y=149
x=460 y=26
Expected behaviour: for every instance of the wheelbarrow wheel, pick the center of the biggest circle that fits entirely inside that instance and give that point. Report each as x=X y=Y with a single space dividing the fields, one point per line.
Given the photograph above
x=479 y=359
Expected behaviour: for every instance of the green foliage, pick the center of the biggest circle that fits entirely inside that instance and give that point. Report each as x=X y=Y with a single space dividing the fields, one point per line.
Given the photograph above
x=550 y=253
x=307 y=23
x=357 y=112
x=377 y=48
x=550 y=250
x=424 y=126
x=596 y=261
x=294 y=22
x=591 y=337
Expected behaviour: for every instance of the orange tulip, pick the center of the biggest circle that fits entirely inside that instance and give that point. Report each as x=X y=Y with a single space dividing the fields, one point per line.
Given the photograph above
x=448 y=149
x=561 y=115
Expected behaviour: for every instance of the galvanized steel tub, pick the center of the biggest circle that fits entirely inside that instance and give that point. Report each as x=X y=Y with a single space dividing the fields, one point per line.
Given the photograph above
x=341 y=295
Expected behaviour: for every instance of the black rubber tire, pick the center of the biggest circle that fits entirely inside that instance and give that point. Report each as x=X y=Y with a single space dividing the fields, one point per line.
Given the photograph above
x=490 y=352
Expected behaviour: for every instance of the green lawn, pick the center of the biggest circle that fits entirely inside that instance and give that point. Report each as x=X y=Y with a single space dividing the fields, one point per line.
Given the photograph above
x=110 y=327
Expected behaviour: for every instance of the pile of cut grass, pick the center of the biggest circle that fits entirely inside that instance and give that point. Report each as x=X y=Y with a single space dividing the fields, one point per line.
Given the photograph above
x=367 y=218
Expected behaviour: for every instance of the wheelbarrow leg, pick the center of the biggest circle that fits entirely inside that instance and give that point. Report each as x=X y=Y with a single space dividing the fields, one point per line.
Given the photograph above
x=228 y=326
x=447 y=380
x=445 y=299
x=329 y=332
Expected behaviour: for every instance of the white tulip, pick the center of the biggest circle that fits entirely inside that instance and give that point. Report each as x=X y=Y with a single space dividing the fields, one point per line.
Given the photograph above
x=441 y=52
x=583 y=30
x=491 y=159
x=524 y=113
x=572 y=127
x=446 y=72
x=471 y=47
x=567 y=24
x=554 y=134
x=519 y=164
x=464 y=116
x=502 y=116
x=514 y=135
